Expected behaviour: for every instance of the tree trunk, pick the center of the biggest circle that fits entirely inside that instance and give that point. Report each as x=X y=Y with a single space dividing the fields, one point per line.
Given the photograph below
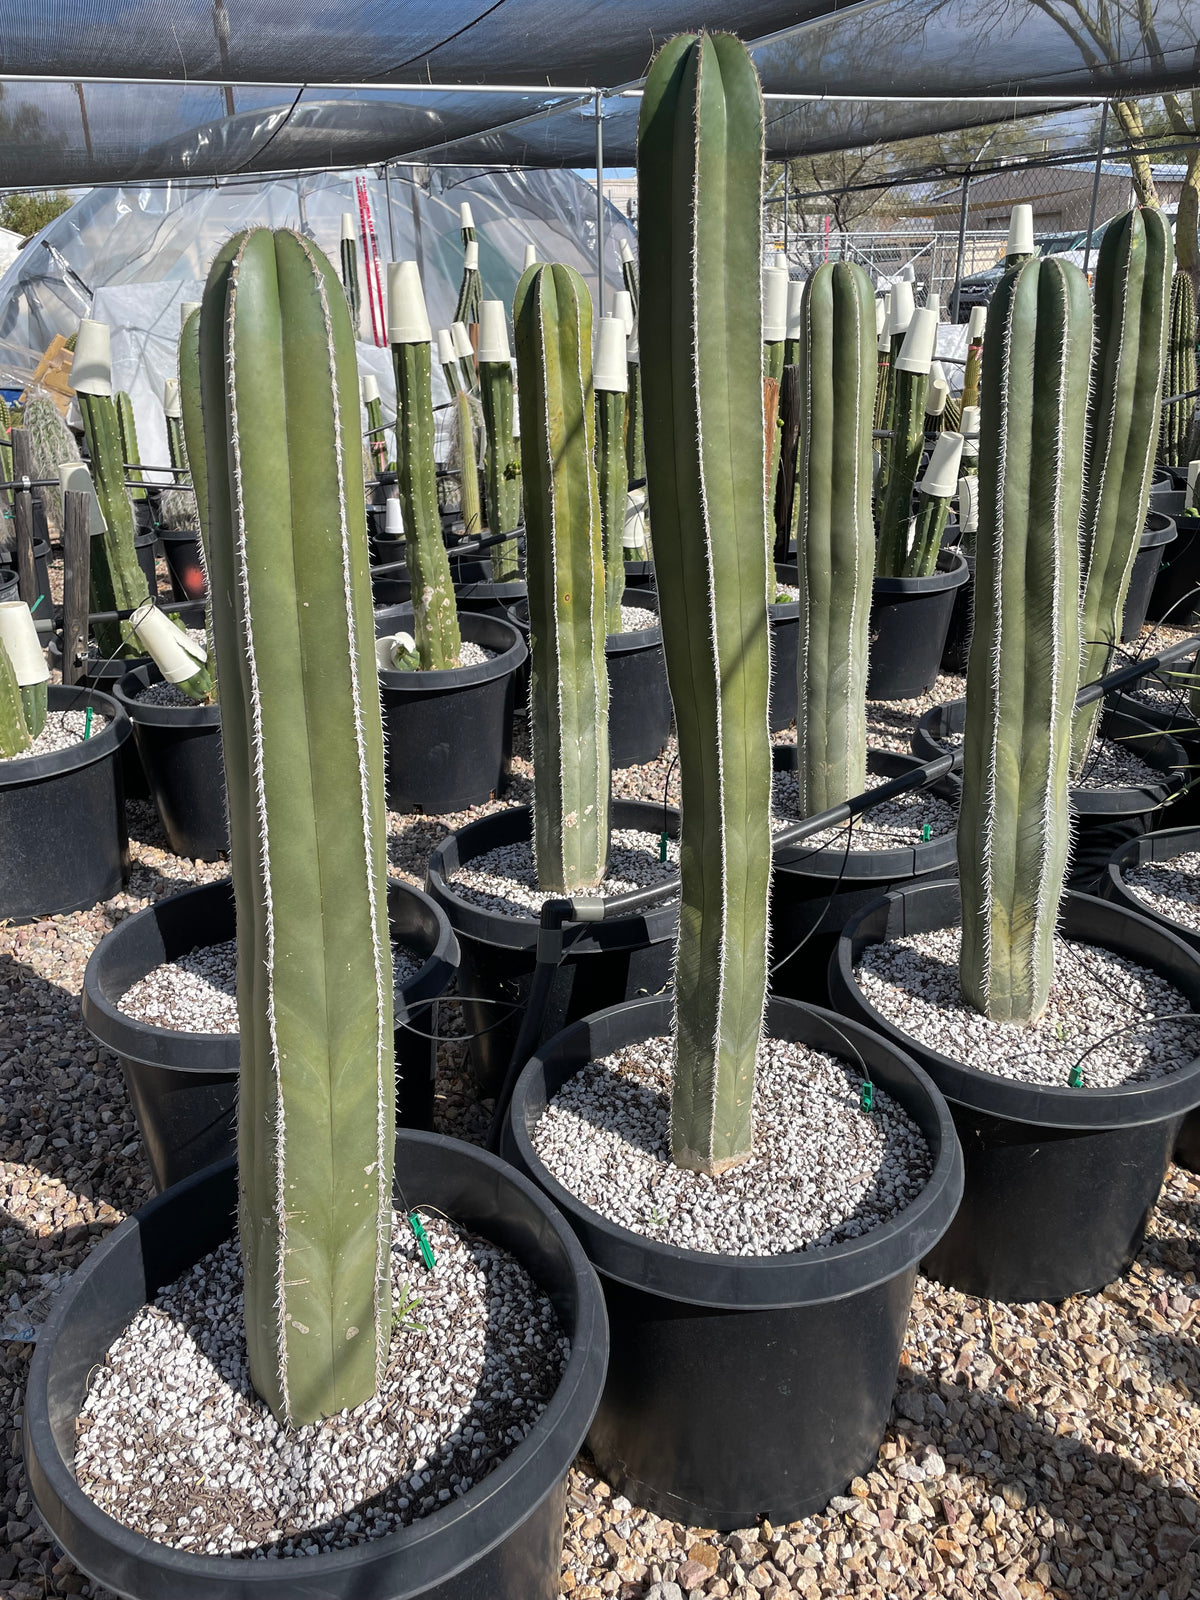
x=1128 y=114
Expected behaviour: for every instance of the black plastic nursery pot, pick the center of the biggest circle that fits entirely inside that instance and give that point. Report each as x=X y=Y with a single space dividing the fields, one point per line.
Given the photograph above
x=639 y=575
x=910 y=619
x=1175 y=597
x=1060 y=1182
x=63 y=843
x=8 y=584
x=180 y=750
x=746 y=1386
x=184 y=563
x=183 y=1086
x=502 y=1540
x=1158 y=532
x=145 y=546
x=449 y=733
x=784 y=618
x=815 y=891
x=962 y=622
x=602 y=964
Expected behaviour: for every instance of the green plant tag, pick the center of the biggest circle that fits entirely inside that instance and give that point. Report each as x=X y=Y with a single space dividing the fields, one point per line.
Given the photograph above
x=422 y=1239
x=1075 y=1077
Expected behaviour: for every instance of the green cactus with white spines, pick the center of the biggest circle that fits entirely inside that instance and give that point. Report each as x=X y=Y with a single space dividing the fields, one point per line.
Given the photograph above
x=700 y=153
x=51 y=443
x=935 y=491
x=1132 y=308
x=502 y=467
x=1014 y=823
x=129 y=445
x=910 y=384
x=564 y=560
x=470 y=291
x=435 y=616
x=610 y=380
x=835 y=540
x=303 y=742
x=349 y=265
x=1180 y=375
x=463 y=450
x=15 y=737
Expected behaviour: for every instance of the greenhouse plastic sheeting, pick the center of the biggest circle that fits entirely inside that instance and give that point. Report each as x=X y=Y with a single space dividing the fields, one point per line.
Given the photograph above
x=266 y=87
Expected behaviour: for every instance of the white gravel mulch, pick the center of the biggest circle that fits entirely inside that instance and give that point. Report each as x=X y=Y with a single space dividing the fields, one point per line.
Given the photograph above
x=785 y=594
x=823 y=1170
x=635 y=619
x=504 y=879
x=174 y=1443
x=1172 y=888
x=63 y=730
x=197 y=992
x=895 y=824
x=1111 y=765
x=913 y=982
x=164 y=694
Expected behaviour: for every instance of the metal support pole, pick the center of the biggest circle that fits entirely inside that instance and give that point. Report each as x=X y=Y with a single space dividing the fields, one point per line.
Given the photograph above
x=786 y=175
x=1087 y=248
x=962 y=246
x=77 y=557
x=387 y=189
x=600 y=201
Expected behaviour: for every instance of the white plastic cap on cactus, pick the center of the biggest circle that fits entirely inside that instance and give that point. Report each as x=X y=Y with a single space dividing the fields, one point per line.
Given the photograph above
x=466 y=218
x=881 y=313
x=774 y=316
x=900 y=312
x=347 y=225
x=1189 y=499
x=387 y=648
x=940 y=480
x=632 y=352
x=623 y=309
x=19 y=640
x=463 y=348
x=976 y=323
x=370 y=388
x=916 y=353
x=531 y=259
x=935 y=400
x=625 y=252
x=173 y=653
x=172 y=405
x=471 y=255
x=968 y=504
x=937 y=372
x=408 y=320
x=907 y=273
x=970 y=422
x=445 y=346
x=1020 y=231
x=795 y=304
x=393 y=518
x=609 y=373
x=186 y=307
x=934 y=301
x=91 y=370
x=633 y=535
x=493 y=331
x=74 y=475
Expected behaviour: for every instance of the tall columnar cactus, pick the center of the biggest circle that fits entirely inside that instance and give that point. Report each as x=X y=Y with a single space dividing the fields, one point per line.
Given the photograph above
x=1180 y=375
x=303 y=743
x=568 y=692
x=464 y=353
x=1014 y=825
x=14 y=733
x=51 y=443
x=775 y=295
x=117 y=582
x=129 y=445
x=629 y=273
x=502 y=468
x=192 y=411
x=900 y=315
x=435 y=617
x=635 y=430
x=176 y=447
x=610 y=385
x=700 y=151
x=469 y=503
x=971 y=373
x=470 y=291
x=349 y=264
x=20 y=644
x=835 y=540
x=934 y=494
x=373 y=404
x=1132 y=299
x=910 y=383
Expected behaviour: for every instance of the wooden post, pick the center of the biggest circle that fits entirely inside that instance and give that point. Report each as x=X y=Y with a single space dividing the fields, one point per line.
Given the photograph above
x=22 y=499
x=77 y=572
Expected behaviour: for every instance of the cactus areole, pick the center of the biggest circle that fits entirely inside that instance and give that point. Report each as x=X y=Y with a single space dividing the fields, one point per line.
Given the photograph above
x=700 y=152
x=303 y=742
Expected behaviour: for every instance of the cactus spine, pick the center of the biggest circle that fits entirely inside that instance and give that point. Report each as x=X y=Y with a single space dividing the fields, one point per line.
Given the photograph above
x=118 y=583
x=303 y=744
x=51 y=443
x=835 y=540
x=610 y=384
x=700 y=152
x=910 y=383
x=568 y=693
x=502 y=468
x=14 y=733
x=130 y=454
x=1132 y=293
x=971 y=373
x=1023 y=675
x=468 y=466
x=349 y=263
x=435 y=618
x=1180 y=376
x=934 y=493
x=470 y=291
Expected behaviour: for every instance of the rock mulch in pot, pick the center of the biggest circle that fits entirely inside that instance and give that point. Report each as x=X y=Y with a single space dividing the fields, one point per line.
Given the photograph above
x=63 y=730
x=823 y=1169
x=895 y=824
x=890 y=723
x=174 y=1443
x=1110 y=765
x=913 y=982
x=635 y=619
x=1172 y=888
x=504 y=879
x=164 y=694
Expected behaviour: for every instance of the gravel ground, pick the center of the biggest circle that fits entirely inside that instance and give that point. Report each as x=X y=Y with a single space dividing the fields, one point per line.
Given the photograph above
x=913 y=982
x=1172 y=888
x=634 y=619
x=1033 y=1451
x=164 y=694
x=1110 y=766
x=893 y=825
x=504 y=879
x=173 y=1441
x=63 y=729
x=606 y=1137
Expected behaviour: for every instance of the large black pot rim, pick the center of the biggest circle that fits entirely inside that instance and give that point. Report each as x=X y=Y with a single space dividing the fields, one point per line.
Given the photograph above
x=491 y=633
x=426 y=1553
x=614 y=643
x=834 y=861
x=786 y=572
x=1042 y=1105
x=1158 y=529
x=219 y=1052
x=130 y=687
x=23 y=770
x=1160 y=751
x=951 y=576
x=515 y=824
x=1164 y=844
x=751 y=1283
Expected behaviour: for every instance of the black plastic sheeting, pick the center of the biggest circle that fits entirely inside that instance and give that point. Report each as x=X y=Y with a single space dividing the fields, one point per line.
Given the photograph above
x=290 y=87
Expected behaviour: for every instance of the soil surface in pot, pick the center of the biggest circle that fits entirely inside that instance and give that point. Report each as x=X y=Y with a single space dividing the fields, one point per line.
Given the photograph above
x=1169 y=698
x=470 y=655
x=894 y=825
x=63 y=730
x=1172 y=888
x=173 y=1441
x=823 y=1169
x=634 y=619
x=197 y=992
x=1111 y=765
x=913 y=982
x=505 y=879
x=164 y=694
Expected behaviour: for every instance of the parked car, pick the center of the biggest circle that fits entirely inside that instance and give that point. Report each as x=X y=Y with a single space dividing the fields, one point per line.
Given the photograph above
x=975 y=289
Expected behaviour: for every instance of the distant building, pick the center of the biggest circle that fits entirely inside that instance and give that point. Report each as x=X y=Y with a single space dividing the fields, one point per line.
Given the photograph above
x=622 y=193
x=1061 y=197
